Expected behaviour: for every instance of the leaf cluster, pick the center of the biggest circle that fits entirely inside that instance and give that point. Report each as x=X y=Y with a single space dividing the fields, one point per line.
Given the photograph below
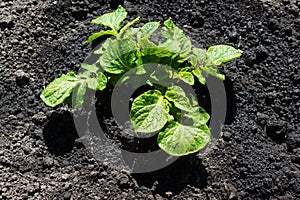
x=181 y=122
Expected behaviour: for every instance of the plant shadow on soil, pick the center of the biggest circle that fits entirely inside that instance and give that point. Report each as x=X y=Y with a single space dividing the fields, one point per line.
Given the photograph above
x=60 y=134
x=186 y=170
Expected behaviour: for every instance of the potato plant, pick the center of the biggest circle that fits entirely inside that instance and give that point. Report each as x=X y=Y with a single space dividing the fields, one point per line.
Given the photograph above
x=180 y=122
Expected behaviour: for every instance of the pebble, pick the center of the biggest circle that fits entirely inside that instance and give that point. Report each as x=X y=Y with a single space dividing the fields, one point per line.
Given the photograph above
x=14 y=41
x=26 y=149
x=276 y=130
x=104 y=173
x=293 y=141
x=39 y=118
x=227 y=136
x=273 y=24
x=233 y=196
x=197 y=20
x=65 y=177
x=94 y=174
x=22 y=78
x=67 y=195
x=123 y=179
x=233 y=36
x=169 y=194
x=49 y=162
x=261 y=53
x=6 y=21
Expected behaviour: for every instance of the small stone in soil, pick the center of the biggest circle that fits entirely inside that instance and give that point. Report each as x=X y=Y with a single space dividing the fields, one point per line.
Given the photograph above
x=22 y=78
x=261 y=53
x=67 y=195
x=227 y=136
x=48 y=162
x=6 y=22
x=39 y=118
x=65 y=177
x=276 y=130
x=293 y=141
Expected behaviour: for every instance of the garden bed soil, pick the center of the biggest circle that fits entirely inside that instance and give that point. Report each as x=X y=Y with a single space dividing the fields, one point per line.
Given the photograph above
x=257 y=155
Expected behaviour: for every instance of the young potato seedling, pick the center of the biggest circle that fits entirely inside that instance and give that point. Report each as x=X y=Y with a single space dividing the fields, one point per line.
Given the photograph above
x=180 y=122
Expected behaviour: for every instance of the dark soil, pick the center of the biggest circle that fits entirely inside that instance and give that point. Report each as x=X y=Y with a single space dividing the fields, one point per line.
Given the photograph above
x=257 y=156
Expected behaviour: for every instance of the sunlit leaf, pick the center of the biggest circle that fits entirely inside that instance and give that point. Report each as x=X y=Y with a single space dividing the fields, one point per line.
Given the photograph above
x=179 y=140
x=112 y=20
x=220 y=54
x=177 y=95
x=199 y=75
x=127 y=26
x=78 y=95
x=176 y=41
x=119 y=56
x=59 y=89
x=149 y=112
x=99 y=34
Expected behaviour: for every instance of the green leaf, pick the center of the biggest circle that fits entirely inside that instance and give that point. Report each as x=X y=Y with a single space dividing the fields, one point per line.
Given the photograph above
x=148 y=29
x=119 y=56
x=112 y=20
x=213 y=71
x=59 y=89
x=131 y=32
x=78 y=95
x=199 y=75
x=127 y=26
x=198 y=116
x=152 y=53
x=193 y=61
x=148 y=82
x=220 y=54
x=201 y=56
x=98 y=83
x=177 y=95
x=85 y=74
x=214 y=56
x=104 y=46
x=148 y=47
x=185 y=76
x=149 y=112
x=194 y=101
x=160 y=74
x=102 y=81
x=91 y=68
x=92 y=83
x=159 y=52
x=95 y=83
x=145 y=43
x=176 y=41
x=124 y=79
x=114 y=78
x=99 y=34
x=179 y=140
x=140 y=70
x=148 y=59
x=183 y=58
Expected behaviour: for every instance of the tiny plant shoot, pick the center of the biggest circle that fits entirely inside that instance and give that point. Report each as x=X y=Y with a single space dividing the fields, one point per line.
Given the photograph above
x=170 y=111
